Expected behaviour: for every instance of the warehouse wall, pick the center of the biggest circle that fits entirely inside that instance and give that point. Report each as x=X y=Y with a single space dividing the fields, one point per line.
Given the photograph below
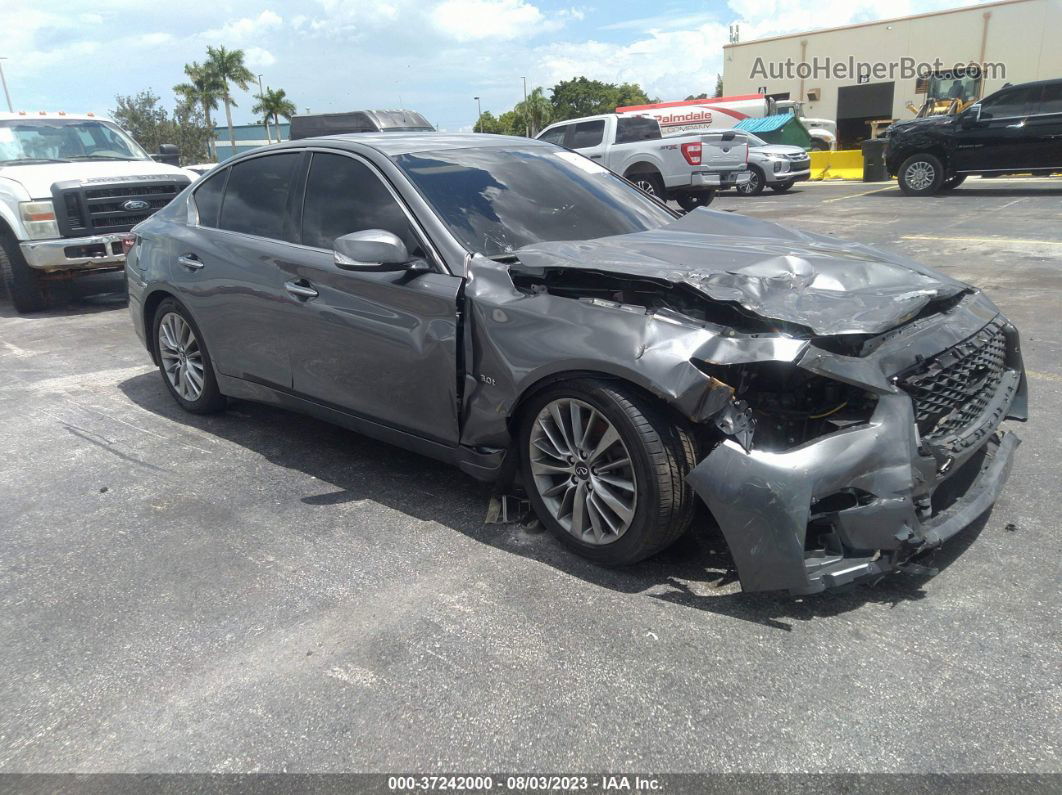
x=1023 y=34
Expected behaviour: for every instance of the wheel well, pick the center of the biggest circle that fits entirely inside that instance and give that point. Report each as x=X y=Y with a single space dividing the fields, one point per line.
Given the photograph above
x=938 y=153
x=151 y=303
x=641 y=168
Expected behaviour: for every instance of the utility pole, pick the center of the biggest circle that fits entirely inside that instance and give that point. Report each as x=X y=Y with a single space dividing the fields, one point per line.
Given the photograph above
x=4 y=81
x=265 y=116
x=527 y=111
x=479 y=115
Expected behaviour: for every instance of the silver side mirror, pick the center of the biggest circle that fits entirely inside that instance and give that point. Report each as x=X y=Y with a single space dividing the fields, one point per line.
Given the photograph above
x=373 y=249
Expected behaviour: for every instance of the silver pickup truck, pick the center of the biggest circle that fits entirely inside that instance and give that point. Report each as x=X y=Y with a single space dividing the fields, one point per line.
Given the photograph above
x=686 y=168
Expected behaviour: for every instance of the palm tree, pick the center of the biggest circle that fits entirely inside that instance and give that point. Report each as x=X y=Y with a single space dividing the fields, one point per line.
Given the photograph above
x=229 y=67
x=274 y=104
x=203 y=89
x=537 y=110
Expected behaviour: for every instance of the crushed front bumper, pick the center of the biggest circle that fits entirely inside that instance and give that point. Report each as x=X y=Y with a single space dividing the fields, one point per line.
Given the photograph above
x=96 y=252
x=877 y=492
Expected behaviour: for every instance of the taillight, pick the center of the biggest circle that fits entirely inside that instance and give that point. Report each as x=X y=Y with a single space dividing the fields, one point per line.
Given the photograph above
x=692 y=153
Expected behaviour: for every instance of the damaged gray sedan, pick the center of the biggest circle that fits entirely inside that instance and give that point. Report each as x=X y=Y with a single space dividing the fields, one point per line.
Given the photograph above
x=515 y=309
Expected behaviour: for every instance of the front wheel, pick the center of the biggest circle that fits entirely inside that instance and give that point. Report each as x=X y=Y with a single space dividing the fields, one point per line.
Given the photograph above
x=921 y=175
x=691 y=201
x=951 y=183
x=21 y=282
x=650 y=183
x=184 y=360
x=782 y=187
x=754 y=187
x=605 y=470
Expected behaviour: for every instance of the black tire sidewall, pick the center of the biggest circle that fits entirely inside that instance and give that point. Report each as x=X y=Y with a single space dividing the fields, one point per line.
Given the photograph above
x=782 y=187
x=653 y=179
x=211 y=400
x=596 y=394
x=938 y=179
x=761 y=180
x=20 y=282
x=691 y=201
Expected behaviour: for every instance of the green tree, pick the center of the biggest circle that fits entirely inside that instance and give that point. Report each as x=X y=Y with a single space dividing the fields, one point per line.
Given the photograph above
x=536 y=111
x=696 y=96
x=583 y=97
x=229 y=67
x=272 y=105
x=203 y=90
x=150 y=124
x=718 y=85
x=487 y=123
x=511 y=123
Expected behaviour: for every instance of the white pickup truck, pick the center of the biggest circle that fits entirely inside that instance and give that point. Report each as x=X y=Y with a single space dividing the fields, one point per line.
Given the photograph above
x=686 y=168
x=71 y=188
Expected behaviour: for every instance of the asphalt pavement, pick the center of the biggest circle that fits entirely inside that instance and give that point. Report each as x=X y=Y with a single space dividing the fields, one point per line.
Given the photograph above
x=260 y=591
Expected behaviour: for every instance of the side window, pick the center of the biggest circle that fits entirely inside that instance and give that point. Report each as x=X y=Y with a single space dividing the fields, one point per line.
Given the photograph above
x=588 y=133
x=256 y=196
x=556 y=135
x=1016 y=102
x=1051 y=101
x=343 y=195
x=207 y=198
x=636 y=128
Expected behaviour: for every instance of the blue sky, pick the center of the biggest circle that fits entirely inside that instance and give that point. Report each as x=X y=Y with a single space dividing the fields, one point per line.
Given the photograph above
x=430 y=55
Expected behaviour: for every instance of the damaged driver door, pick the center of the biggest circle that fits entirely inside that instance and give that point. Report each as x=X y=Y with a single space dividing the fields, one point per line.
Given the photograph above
x=378 y=340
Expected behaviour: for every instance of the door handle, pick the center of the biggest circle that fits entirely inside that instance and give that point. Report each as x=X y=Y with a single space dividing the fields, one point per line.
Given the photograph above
x=595 y=157
x=301 y=289
x=190 y=261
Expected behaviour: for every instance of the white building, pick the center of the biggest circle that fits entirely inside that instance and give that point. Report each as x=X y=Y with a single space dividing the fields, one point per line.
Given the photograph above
x=856 y=74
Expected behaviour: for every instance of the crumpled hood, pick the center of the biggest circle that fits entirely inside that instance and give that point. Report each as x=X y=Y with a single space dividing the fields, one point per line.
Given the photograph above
x=827 y=285
x=37 y=178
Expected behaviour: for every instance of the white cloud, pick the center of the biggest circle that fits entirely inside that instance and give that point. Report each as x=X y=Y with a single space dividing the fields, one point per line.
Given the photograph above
x=258 y=58
x=246 y=28
x=467 y=20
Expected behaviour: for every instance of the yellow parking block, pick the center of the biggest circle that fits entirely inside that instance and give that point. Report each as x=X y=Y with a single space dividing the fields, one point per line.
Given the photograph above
x=842 y=164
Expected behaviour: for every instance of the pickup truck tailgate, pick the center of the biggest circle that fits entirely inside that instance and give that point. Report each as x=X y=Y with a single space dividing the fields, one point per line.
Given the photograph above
x=724 y=149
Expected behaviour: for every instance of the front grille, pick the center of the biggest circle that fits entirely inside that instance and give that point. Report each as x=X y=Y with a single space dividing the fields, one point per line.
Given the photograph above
x=954 y=389
x=100 y=208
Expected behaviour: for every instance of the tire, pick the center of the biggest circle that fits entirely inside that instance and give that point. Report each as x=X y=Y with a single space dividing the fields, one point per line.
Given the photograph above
x=754 y=187
x=951 y=183
x=21 y=282
x=921 y=175
x=691 y=201
x=650 y=182
x=819 y=146
x=782 y=187
x=184 y=362
x=655 y=512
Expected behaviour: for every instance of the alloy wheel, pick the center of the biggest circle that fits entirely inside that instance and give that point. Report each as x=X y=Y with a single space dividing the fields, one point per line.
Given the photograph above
x=583 y=471
x=182 y=357
x=920 y=175
x=646 y=185
x=752 y=184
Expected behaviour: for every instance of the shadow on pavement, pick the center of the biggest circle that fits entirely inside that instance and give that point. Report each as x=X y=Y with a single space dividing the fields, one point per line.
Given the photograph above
x=82 y=296
x=693 y=573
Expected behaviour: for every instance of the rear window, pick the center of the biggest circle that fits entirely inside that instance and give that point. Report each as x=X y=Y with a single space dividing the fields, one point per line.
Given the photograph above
x=1051 y=101
x=636 y=128
x=208 y=198
x=256 y=196
x=588 y=133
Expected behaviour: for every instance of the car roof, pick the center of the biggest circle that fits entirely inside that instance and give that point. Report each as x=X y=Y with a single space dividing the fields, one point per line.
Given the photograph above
x=403 y=143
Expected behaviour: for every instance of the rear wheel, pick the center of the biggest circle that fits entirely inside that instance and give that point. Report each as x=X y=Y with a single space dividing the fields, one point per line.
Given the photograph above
x=650 y=182
x=605 y=470
x=782 y=187
x=921 y=175
x=951 y=183
x=184 y=360
x=691 y=201
x=21 y=282
x=754 y=187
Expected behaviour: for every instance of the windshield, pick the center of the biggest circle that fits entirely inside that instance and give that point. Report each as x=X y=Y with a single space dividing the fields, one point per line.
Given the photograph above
x=33 y=140
x=496 y=200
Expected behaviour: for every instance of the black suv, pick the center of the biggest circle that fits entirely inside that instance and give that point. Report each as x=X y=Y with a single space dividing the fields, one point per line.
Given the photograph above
x=1018 y=129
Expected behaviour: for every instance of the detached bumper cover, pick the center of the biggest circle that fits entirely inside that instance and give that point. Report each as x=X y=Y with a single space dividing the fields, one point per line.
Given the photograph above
x=76 y=253
x=903 y=493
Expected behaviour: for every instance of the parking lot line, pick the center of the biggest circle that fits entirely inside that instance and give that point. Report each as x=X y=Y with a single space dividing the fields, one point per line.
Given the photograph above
x=983 y=240
x=856 y=195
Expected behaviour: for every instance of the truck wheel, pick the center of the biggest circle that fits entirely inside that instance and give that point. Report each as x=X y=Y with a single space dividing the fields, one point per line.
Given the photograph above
x=951 y=183
x=921 y=175
x=691 y=201
x=819 y=145
x=21 y=282
x=782 y=187
x=605 y=470
x=754 y=187
x=184 y=360
x=649 y=182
